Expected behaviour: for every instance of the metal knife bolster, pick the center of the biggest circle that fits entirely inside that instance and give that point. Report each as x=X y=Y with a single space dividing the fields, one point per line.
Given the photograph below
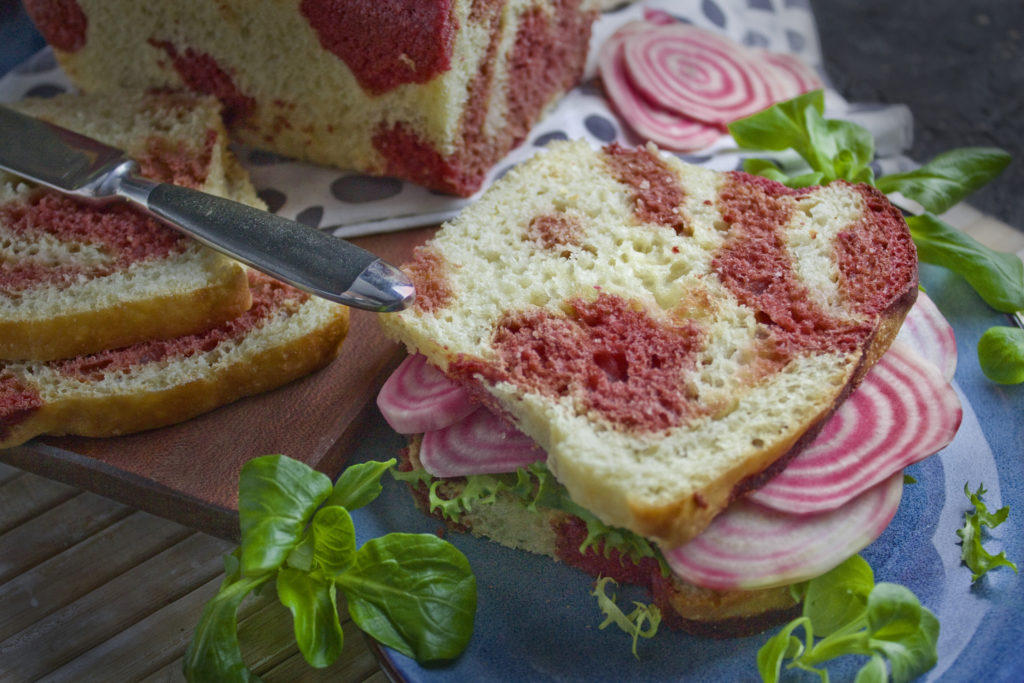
x=305 y=257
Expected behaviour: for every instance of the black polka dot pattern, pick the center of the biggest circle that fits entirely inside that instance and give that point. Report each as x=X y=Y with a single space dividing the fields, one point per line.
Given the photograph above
x=714 y=13
x=601 y=127
x=311 y=216
x=274 y=199
x=359 y=189
x=545 y=138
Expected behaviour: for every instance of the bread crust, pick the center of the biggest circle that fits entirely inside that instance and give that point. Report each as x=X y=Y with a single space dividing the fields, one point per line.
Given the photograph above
x=676 y=523
x=132 y=410
x=88 y=331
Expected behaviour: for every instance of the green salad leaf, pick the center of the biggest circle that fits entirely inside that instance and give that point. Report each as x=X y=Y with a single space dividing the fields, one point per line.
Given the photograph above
x=642 y=622
x=831 y=150
x=846 y=613
x=1001 y=350
x=413 y=592
x=972 y=552
x=534 y=486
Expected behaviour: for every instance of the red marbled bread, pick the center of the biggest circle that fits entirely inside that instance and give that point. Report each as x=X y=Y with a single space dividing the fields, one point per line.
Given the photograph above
x=284 y=335
x=77 y=277
x=666 y=333
x=432 y=91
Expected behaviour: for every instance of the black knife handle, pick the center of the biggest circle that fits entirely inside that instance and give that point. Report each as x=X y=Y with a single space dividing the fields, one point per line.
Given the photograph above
x=305 y=257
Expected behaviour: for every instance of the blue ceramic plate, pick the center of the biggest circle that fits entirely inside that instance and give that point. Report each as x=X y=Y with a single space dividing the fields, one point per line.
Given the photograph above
x=537 y=621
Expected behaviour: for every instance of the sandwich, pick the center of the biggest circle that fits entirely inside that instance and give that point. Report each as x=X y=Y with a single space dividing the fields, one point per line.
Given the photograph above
x=616 y=357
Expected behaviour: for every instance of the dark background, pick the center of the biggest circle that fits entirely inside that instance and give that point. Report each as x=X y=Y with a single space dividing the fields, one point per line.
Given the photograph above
x=958 y=64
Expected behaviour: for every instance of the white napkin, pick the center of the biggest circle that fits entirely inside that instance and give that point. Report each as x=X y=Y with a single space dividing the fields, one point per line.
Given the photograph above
x=351 y=204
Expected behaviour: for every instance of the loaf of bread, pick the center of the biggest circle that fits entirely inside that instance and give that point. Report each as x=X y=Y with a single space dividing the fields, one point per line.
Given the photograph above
x=432 y=91
x=667 y=334
x=284 y=335
x=80 y=277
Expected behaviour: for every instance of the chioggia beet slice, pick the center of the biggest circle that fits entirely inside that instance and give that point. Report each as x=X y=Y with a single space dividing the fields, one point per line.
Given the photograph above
x=417 y=398
x=667 y=129
x=903 y=411
x=928 y=332
x=480 y=443
x=696 y=73
x=750 y=546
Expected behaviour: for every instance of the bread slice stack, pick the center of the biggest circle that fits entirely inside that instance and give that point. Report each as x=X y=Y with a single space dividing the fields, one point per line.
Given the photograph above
x=110 y=321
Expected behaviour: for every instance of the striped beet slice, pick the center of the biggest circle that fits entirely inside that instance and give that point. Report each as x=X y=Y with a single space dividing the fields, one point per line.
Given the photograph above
x=480 y=443
x=749 y=546
x=928 y=332
x=787 y=75
x=666 y=129
x=418 y=397
x=903 y=412
x=696 y=73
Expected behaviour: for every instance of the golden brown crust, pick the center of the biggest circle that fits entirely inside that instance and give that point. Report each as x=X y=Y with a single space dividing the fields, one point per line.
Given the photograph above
x=113 y=415
x=680 y=521
x=129 y=322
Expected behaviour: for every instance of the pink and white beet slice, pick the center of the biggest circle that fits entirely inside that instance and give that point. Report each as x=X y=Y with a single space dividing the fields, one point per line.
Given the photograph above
x=751 y=547
x=418 y=398
x=666 y=129
x=695 y=73
x=903 y=411
x=480 y=443
x=928 y=332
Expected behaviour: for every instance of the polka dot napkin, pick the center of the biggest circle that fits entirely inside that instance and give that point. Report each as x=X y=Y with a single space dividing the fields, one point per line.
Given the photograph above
x=350 y=204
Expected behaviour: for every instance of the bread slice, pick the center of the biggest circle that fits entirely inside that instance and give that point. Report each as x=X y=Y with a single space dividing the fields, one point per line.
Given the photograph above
x=564 y=537
x=666 y=333
x=79 y=277
x=285 y=335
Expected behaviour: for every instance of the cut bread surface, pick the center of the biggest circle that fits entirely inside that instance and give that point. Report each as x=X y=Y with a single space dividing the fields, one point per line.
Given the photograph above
x=664 y=332
x=285 y=335
x=78 y=277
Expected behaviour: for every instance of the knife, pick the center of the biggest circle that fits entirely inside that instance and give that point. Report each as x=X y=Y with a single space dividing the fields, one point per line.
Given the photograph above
x=302 y=256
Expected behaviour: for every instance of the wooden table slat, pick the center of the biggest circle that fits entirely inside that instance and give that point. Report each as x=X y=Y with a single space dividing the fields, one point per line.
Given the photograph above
x=83 y=567
x=50 y=532
x=156 y=643
x=8 y=472
x=355 y=663
x=22 y=498
x=116 y=606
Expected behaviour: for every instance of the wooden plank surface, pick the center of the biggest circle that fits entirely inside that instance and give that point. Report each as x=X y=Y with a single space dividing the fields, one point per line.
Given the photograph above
x=189 y=472
x=113 y=594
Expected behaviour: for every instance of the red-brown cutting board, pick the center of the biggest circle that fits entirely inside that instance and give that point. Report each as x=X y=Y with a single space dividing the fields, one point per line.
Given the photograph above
x=189 y=472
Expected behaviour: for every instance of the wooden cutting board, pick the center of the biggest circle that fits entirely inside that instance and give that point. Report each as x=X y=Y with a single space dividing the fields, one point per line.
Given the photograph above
x=189 y=472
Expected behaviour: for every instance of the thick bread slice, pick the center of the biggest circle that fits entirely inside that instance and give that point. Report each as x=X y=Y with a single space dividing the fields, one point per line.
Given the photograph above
x=666 y=333
x=506 y=520
x=78 y=278
x=285 y=335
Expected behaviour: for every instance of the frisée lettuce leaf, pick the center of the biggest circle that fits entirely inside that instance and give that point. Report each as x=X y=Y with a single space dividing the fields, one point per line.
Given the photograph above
x=973 y=554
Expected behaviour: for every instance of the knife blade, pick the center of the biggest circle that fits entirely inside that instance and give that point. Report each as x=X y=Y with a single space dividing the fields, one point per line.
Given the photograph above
x=302 y=256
